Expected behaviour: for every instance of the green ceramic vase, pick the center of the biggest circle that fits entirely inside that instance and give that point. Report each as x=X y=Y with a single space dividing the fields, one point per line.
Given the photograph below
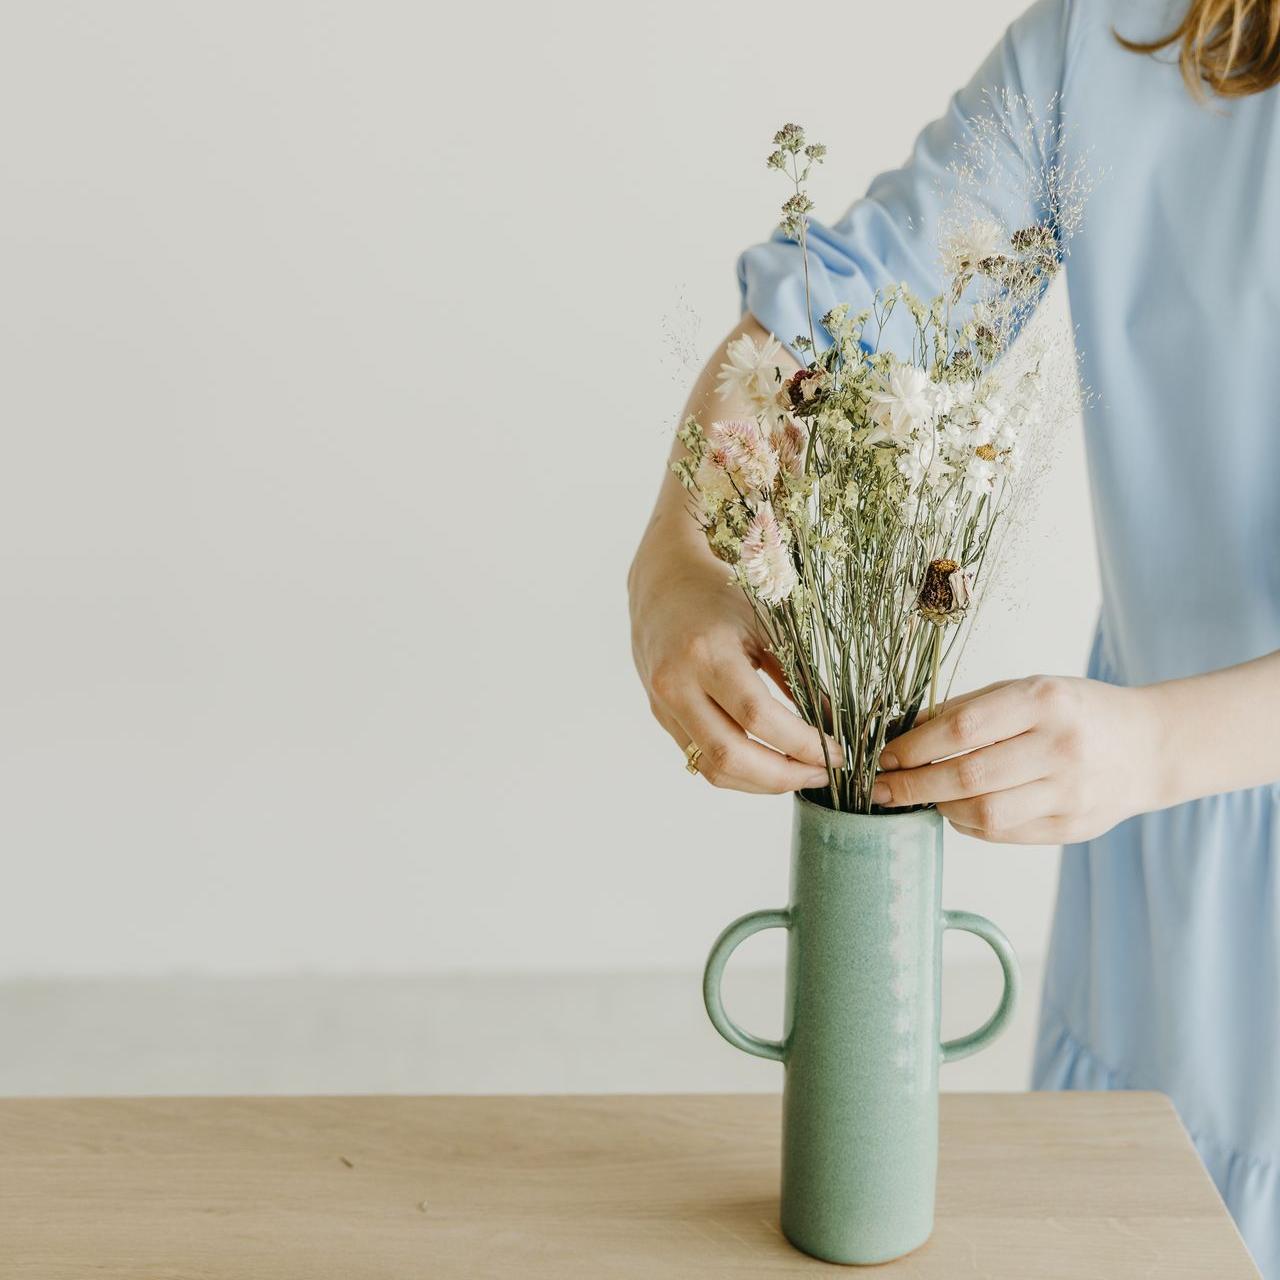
x=861 y=1044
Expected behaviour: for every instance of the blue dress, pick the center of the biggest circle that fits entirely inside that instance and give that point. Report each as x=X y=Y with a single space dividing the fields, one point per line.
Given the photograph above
x=1164 y=967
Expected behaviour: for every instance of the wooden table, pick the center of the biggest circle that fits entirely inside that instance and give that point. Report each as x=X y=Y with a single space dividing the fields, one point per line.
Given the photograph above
x=1032 y=1187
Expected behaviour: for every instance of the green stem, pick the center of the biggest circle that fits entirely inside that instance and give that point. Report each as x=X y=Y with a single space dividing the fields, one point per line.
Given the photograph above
x=933 y=678
x=816 y=703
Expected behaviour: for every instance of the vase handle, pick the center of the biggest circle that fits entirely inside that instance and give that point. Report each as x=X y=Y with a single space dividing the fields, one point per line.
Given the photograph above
x=725 y=945
x=963 y=1046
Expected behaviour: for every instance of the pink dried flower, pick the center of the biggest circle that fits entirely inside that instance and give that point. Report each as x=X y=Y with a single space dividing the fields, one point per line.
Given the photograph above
x=764 y=559
x=790 y=442
x=739 y=449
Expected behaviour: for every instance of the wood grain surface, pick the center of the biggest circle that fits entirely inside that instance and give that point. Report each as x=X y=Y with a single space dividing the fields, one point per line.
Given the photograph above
x=1032 y=1187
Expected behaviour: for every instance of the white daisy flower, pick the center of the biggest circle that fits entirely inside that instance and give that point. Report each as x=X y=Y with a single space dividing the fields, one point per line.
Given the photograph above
x=902 y=403
x=982 y=426
x=750 y=370
x=968 y=427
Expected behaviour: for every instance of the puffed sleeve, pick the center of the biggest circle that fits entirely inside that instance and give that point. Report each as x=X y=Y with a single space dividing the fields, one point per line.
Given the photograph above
x=892 y=233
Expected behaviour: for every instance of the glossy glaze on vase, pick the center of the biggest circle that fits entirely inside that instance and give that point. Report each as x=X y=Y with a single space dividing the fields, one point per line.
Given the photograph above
x=861 y=1041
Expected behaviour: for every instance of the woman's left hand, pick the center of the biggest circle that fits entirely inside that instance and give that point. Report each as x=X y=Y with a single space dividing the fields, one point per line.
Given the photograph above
x=1043 y=760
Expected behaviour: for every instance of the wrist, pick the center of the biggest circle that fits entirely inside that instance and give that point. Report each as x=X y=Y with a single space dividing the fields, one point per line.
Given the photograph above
x=1163 y=720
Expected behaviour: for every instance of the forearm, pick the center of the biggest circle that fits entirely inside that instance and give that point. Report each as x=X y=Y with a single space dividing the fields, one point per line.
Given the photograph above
x=1217 y=732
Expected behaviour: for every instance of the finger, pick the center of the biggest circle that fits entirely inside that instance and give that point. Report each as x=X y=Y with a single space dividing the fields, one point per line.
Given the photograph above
x=773 y=669
x=999 y=767
x=1002 y=811
x=1042 y=831
x=730 y=759
x=957 y=699
x=740 y=692
x=964 y=726
x=670 y=724
x=770 y=665
x=683 y=736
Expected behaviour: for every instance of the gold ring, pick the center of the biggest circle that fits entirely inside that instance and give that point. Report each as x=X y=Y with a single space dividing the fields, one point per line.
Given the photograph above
x=692 y=754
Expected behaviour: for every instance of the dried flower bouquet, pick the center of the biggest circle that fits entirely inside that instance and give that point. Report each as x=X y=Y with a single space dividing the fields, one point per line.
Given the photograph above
x=860 y=507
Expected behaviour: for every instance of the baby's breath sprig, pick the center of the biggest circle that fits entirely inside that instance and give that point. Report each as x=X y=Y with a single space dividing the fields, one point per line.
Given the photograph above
x=795 y=157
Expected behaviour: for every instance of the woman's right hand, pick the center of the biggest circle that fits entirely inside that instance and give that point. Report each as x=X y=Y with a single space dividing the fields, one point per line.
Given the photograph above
x=694 y=636
x=699 y=656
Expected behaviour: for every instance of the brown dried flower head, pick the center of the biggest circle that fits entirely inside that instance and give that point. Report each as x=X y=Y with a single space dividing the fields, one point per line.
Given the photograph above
x=946 y=593
x=802 y=386
x=1035 y=237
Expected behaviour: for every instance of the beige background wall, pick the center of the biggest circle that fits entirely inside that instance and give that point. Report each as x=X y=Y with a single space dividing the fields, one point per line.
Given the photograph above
x=335 y=392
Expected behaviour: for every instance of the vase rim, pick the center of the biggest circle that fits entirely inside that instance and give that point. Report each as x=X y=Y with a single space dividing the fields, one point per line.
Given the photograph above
x=930 y=813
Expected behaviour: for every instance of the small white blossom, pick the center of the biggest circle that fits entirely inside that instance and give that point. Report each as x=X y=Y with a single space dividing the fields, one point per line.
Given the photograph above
x=922 y=463
x=980 y=475
x=964 y=395
x=1005 y=438
x=955 y=437
x=909 y=464
x=975 y=242
x=944 y=397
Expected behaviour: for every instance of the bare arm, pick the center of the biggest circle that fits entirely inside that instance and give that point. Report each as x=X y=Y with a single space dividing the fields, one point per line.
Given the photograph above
x=694 y=637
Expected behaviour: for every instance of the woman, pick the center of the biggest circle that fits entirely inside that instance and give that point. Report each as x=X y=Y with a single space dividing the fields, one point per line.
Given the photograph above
x=1160 y=770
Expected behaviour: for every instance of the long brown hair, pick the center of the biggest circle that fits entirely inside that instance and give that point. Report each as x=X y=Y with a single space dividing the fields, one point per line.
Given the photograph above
x=1233 y=46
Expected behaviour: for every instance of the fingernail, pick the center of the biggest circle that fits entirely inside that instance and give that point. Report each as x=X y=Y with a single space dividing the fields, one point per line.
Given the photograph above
x=837 y=753
x=888 y=761
x=880 y=793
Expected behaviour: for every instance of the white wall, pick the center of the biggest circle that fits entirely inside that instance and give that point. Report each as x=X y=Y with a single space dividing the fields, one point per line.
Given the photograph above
x=334 y=398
